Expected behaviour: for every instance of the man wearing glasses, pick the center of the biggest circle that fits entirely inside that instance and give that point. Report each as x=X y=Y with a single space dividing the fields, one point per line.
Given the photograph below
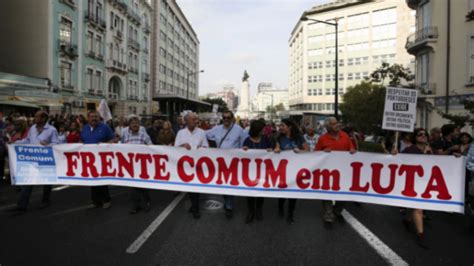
x=228 y=135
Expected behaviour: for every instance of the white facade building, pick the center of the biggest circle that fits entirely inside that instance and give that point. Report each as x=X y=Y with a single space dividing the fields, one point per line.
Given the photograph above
x=369 y=33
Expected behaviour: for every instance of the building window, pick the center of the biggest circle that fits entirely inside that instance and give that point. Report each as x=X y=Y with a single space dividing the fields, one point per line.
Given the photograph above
x=350 y=76
x=350 y=61
x=90 y=41
x=384 y=16
x=89 y=79
x=424 y=16
x=98 y=80
x=98 y=11
x=423 y=68
x=65 y=74
x=98 y=45
x=65 y=30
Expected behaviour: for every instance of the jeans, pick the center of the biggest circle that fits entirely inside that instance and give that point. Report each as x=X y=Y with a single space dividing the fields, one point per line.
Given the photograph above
x=291 y=205
x=254 y=202
x=26 y=193
x=100 y=195
x=228 y=202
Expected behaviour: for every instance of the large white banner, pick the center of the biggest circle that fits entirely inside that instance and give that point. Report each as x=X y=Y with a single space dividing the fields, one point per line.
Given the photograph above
x=413 y=181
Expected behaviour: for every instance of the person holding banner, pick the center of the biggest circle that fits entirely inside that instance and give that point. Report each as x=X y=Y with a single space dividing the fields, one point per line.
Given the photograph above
x=290 y=138
x=256 y=140
x=334 y=140
x=95 y=132
x=420 y=146
x=192 y=137
x=229 y=135
x=41 y=133
x=133 y=135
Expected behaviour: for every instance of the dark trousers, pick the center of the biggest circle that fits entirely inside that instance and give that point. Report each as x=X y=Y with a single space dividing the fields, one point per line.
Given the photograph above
x=2 y=167
x=291 y=205
x=100 y=195
x=254 y=204
x=228 y=202
x=194 y=197
x=139 y=194
x=330 y=210
x=26 y=193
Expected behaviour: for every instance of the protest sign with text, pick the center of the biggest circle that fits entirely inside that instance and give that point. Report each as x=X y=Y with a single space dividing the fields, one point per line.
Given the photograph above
x=425 y=182
x=400 y=109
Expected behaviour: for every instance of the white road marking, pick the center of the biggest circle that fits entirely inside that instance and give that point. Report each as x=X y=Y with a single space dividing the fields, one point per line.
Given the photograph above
x=60 y=188
x=380 y=247
x=136 y=245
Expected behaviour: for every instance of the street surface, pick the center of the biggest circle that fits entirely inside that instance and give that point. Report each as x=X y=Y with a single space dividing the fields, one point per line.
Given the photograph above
x=69 y=233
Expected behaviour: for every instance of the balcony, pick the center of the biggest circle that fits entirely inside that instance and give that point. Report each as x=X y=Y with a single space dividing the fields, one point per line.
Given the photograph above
x=67 y=87
x=119 y=3
x=147 y=28
x=112 y=96
x=427 y=89
x=146 y=76
x=116 y=65
x=133 y=69
x=413 y=4
x=134 y=44
x=145 y=50
x=420 y=39
x=67 y=49
x=118 y=34
x=134 y=17
x=95 y=20
x=90 y=54
x=70 y=3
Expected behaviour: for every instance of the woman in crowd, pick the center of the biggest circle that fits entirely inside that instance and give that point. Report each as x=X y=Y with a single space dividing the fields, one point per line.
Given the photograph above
x=256 y=140
x=62 y=134
x=166 y=135
x=420 y=145
x=74 y=135
x=21 y=129
x=290 y=138
x=466 y=140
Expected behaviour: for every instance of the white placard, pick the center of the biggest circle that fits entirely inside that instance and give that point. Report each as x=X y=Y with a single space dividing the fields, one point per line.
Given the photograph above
x=400 y=109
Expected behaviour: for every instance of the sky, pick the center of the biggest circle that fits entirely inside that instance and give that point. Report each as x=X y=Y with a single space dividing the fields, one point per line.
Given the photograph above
x=238 y=35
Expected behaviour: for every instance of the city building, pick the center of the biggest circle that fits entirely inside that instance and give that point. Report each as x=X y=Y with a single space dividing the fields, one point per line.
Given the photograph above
x=175 y=61
x=269 y=96
x=369 y=33
x=228 y=94
x=443 y=44
x=86 y=50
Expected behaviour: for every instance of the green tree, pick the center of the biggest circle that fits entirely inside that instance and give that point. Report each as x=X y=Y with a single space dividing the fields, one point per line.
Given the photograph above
x=222 y=105
x=363 y=106
x=395 y=73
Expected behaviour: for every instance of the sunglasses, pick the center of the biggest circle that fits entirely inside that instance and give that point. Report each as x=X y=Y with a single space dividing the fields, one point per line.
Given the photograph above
x=421 y=135
x=226 y=117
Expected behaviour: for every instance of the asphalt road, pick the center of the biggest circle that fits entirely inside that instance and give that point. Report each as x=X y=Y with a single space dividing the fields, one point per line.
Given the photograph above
x=69 y=233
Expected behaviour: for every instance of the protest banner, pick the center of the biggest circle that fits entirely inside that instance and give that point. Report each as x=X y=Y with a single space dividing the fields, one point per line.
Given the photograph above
x=400 y=109
x=413 y=181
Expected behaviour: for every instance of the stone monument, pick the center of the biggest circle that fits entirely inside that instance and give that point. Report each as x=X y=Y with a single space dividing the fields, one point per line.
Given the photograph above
x=243 y=110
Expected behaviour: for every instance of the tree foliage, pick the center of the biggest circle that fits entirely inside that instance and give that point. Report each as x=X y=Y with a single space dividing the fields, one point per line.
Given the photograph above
x=363 y=106
x=222 y=105
x=274 y=109
x=394 y=73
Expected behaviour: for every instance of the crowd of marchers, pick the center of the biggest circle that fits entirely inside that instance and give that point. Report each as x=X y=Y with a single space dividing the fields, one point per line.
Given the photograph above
x=189 y=132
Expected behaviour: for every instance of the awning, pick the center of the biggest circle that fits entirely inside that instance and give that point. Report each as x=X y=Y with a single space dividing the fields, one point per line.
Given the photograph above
x=19 y=103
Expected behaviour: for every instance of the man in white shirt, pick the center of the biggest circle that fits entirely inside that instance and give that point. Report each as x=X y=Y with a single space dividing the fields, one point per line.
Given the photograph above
x=192 y=137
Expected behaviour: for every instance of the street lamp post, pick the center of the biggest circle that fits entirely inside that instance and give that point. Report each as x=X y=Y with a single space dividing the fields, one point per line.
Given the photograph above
x=187 y=85
x=336 y=94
